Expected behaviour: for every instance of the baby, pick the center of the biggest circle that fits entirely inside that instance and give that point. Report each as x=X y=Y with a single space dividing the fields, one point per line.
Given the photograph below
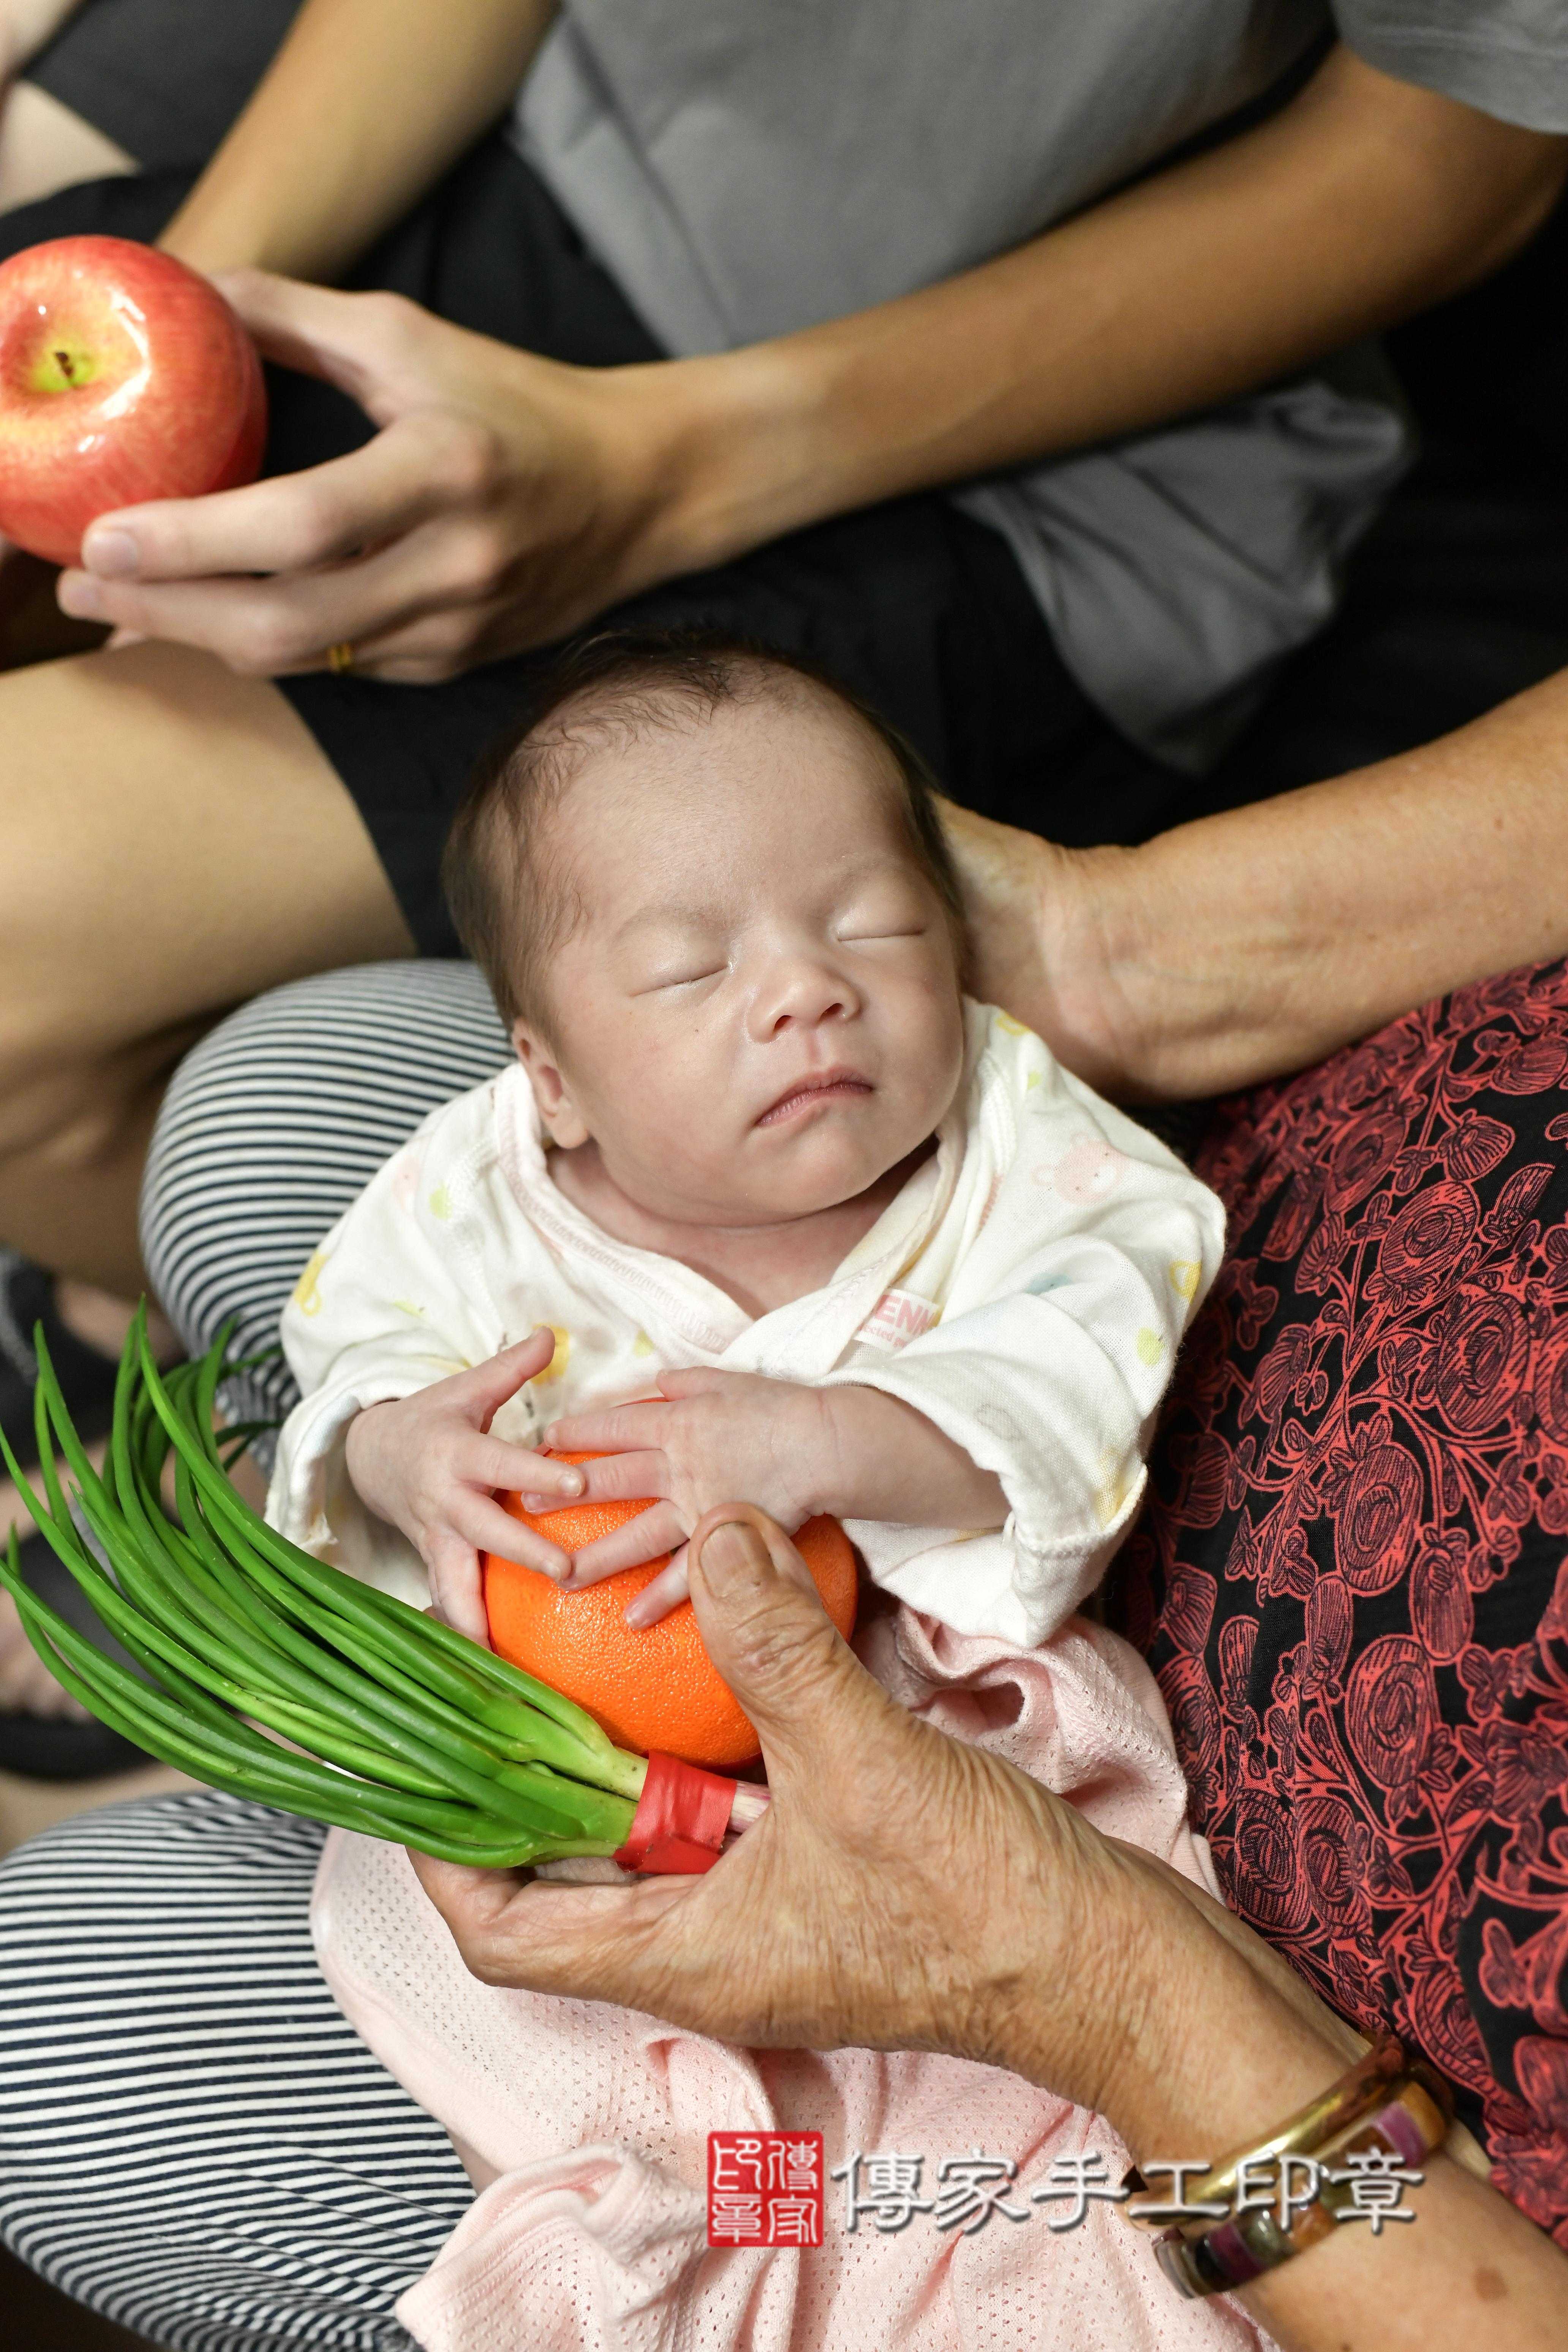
x=765 y=1210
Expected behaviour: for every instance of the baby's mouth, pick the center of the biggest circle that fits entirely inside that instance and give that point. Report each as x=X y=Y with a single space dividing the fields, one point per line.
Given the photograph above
x=828 y=1086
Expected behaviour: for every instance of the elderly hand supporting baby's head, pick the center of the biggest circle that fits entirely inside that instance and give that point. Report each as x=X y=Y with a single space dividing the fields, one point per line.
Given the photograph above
x=902 y=1891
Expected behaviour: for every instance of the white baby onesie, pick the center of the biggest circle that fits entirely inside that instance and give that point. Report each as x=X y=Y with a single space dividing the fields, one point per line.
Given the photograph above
x=1026 y=1291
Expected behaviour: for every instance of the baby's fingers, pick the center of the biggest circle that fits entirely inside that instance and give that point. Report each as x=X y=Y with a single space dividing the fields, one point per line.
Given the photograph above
x=660 y=1594
x=648 y=1537
x=625 y=1477
x=488 y=1528
x=622 y=1429
x=518 y=1470
x=455 y=1591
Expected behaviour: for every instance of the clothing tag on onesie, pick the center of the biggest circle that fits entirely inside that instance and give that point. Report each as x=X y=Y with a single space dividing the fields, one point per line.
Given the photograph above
x=899 y=1317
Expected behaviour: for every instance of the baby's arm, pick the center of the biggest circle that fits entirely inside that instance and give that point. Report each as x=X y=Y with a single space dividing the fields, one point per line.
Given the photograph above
x=428 y=1465
x=402 y=1335
x=1025 y=1408
x=716 y=1437
x=884 y=1459
x=1048 y=1361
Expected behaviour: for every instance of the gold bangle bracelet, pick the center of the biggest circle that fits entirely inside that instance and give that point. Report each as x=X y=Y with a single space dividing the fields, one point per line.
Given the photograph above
x=1358 y=2092
x=1410 y=2122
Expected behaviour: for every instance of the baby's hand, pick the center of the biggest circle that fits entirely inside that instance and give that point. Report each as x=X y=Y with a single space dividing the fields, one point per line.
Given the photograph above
x=428 y=1465
x=710 y=1437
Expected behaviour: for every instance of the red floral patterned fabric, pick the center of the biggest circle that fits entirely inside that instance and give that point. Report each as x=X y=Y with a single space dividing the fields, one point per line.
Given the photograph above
x=1352 y=1576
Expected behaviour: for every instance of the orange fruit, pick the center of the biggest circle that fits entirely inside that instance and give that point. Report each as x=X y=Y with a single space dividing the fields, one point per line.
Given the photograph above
x=653 y=1686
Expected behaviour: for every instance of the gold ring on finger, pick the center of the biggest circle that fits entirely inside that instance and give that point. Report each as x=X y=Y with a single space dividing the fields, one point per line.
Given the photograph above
x=341 y=658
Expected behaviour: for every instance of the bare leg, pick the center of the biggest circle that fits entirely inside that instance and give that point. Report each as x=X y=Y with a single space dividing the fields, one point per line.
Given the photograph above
x=101 y=1321
x=44 y=146
x=174 y=844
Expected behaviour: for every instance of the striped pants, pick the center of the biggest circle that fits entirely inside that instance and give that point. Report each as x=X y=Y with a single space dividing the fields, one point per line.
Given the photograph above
x=193 y=2141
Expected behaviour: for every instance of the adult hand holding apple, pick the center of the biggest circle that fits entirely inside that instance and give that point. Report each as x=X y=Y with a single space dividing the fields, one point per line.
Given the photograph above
x=123 y=375
x=506 y=500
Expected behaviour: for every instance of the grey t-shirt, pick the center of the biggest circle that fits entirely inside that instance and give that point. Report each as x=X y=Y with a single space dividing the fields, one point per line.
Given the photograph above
x=744 y=167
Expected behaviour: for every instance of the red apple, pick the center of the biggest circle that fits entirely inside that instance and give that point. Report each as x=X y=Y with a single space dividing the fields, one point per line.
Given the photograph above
x=124 y=376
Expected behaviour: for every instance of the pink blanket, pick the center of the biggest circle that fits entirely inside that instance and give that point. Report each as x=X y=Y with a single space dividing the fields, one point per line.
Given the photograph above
x=594 y=2237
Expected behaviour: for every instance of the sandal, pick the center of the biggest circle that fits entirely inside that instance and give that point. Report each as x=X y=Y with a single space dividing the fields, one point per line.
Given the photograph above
x=57 y=1747
x=26 y=1299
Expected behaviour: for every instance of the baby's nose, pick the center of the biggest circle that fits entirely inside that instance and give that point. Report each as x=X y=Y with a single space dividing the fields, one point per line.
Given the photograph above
x=804 y=990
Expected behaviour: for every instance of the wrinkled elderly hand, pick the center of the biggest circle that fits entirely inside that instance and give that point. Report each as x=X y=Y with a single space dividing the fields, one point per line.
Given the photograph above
x=505 y=500
x=903 y=1891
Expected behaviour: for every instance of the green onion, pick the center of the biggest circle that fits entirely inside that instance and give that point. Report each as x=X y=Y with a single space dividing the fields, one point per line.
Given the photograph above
x=270 y=1673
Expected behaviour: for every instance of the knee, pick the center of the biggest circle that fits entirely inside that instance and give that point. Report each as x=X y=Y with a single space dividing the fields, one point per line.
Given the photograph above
x=76 y=1115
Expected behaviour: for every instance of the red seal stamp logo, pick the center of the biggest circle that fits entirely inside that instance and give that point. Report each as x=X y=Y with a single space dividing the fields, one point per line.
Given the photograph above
x=764 y=2188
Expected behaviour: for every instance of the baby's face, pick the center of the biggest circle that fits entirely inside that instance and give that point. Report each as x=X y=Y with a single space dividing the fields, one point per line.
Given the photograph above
x=759 y=1014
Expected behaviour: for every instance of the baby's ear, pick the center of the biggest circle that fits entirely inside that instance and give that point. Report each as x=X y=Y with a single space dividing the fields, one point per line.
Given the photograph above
x=562 y=1122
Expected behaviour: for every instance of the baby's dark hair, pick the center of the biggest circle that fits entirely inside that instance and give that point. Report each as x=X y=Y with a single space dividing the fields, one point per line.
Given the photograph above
x=511 y=904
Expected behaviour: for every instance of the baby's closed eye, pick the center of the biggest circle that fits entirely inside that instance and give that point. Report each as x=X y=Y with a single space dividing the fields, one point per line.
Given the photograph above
x=682 y=978
x=888 y=908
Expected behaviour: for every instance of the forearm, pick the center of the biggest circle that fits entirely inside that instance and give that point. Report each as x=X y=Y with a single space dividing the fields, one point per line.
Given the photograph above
x=1253 y=943
x=993 y=1923
x=1190 y=289
x=1242 y=2043
x=365 y=105
x=1470 y=2270
x=881 y=1459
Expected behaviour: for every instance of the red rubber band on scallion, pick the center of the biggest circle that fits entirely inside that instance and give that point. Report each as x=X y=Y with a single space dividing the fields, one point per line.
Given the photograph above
x=681 y=1819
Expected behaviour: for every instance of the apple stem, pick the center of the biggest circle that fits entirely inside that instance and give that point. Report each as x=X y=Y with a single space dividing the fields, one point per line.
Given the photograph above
x=67 y=369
